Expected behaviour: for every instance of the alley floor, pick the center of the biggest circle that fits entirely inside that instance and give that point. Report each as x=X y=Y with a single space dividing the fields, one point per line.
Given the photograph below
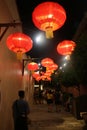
x=41 y=119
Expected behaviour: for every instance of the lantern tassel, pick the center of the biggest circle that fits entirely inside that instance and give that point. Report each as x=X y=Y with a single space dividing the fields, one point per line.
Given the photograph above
x=49 y=33
x=19 y=55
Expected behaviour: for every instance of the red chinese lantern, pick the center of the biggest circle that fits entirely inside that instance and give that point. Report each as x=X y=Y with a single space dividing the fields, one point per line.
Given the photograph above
x=49 y=16
x=47 y=73
x=35 y=75
x=48 y=78
x=47 y=62
x=38 y=78
x=66 y=47
x=19 y=43
x=32 y=66
x=53 y=67
x=43 y=77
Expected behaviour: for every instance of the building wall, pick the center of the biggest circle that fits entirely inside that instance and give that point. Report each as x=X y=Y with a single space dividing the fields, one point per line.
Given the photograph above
x=83 y=90
x=11 y=79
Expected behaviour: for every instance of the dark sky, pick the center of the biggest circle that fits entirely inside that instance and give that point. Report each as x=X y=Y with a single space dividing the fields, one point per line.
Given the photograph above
x=75 y=10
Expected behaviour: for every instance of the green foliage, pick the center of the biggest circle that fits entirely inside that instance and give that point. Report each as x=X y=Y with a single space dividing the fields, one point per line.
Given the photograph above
x=65 y=77
x=54 y=79
x=68 y=76
x=79 y=59
x=75 y=72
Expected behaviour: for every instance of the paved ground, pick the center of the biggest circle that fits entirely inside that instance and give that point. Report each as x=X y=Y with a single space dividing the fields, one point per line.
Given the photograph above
x=43 y=120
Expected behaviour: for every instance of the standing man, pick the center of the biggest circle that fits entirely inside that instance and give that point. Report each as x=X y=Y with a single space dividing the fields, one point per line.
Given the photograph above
x=20 y=110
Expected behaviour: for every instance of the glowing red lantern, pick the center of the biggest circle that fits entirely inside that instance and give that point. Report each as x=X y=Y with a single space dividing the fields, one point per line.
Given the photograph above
x=53 y=67
x=19 y=43
x=35 y=75
x=47 y=73
x=66 y=47
x=43 y=77
x=49 y=78
x=38 y=78
x=32 y=66
x=49 y=16
x=47 y=62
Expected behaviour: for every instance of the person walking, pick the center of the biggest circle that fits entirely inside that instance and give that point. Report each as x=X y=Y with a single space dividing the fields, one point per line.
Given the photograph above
x=20 y=109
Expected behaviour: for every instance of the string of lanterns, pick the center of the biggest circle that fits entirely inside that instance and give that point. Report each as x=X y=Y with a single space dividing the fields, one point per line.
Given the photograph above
x=48 y=17
x=50 y=68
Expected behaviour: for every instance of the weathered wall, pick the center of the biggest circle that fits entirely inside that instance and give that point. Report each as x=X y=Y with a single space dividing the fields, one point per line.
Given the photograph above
x=11 y=79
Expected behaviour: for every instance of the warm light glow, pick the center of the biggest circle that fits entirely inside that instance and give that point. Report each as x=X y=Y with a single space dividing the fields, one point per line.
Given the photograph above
x=66 y=47
x=53 y=67
x=39 y=64
x=60 y=68
x=64 y=64
x=49 y=16
x=46 y=62
x=39 y=38
x=35 y=75
x=19 y=43
x=67 y=57
x=32 y=66
x=41 y=87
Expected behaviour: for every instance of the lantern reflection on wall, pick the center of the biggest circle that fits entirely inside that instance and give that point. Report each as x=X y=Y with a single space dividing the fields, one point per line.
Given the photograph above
x=49 y=16
x=19 y=43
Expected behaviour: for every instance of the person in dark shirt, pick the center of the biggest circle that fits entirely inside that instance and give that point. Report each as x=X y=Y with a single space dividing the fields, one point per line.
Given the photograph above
x=20 y=110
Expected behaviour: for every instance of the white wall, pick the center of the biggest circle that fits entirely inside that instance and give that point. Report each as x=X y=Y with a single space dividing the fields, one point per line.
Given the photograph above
x=11 y=79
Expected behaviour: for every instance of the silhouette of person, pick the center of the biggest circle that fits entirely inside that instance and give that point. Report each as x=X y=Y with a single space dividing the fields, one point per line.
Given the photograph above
x=20 y=110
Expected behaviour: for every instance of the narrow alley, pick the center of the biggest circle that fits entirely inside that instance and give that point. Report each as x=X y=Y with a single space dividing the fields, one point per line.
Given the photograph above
x=41 y=119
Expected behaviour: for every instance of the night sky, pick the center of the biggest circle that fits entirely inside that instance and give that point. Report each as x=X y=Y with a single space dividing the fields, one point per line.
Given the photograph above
x=75 y=10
